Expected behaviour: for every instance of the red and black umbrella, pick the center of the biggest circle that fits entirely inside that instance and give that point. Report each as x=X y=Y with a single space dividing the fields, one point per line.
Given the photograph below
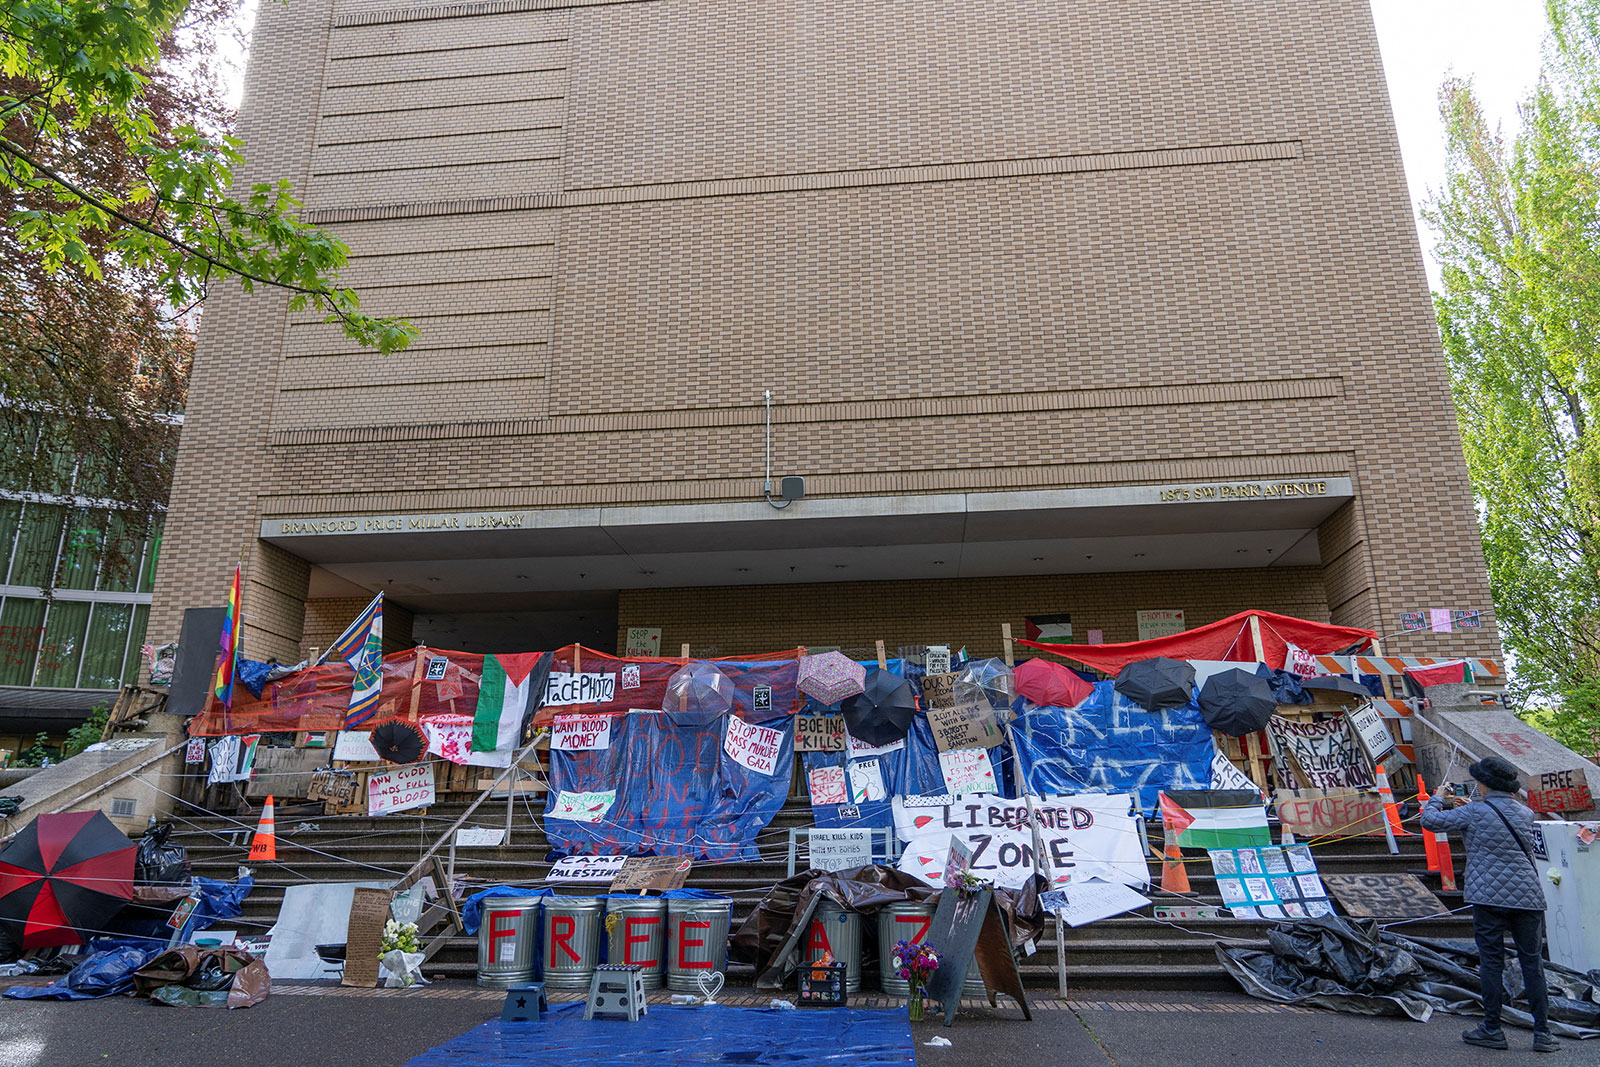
x=62 y=877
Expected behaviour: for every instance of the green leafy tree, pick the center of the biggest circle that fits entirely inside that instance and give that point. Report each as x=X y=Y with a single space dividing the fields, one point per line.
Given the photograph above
x=1518 y=228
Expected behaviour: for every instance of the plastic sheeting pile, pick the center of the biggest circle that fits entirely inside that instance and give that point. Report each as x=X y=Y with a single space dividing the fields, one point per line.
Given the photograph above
x=1358 y=968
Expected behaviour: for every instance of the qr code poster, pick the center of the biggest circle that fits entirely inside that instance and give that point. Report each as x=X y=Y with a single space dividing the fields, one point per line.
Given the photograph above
x=1270 y=882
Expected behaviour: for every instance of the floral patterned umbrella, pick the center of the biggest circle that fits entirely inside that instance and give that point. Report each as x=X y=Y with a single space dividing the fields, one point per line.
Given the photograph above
x=831 y=677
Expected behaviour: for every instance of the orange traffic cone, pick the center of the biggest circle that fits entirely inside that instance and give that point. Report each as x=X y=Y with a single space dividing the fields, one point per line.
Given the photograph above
x=1429 y=845
x=1174 y=879
x=265 y=845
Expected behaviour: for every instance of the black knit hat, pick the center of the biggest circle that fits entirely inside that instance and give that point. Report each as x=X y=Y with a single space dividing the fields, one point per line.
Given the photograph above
x=1496 y=773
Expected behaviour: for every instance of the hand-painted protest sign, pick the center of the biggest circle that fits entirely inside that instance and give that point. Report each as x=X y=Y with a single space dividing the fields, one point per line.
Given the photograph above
x=957 y=862
x=860 y=749
x=827 y=785
x=939 y=690
x=652 y=872
x=1318 y=812
x=819 y=733
x=752 y=746
x=936 y=660
x=866 y=782
x=966 y=725
x=642 y=641
x=232 y=758
x=355 y=746
x=479 y=836
x=1092 y=835
x=1384 y=896
x=1300 y=662
x=561 y=690
x=582 y=807
x=1224 y=775
x=585 y=869
x=1270 y=882
x=401 y=789
x=1553 y=791
x=339 y=787
x=450 y=738
x=1371 y=730
x=840 y=850
x=580 y=733
x=968 y=770
x=1160 y=622
x=195 y=751
x=1324 y=753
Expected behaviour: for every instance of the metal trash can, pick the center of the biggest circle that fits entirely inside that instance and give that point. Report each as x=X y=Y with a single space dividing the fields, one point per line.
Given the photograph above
x=697 y=940
x=571 y=941
x=636 y=933
x=837 y=931
x=506 y=938
x=908 y=920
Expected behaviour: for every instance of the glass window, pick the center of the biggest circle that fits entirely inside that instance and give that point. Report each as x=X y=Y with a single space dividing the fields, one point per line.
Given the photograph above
x=104 y=646
x=10 y=512
x=135 y=661
x=62 y=648
x=21 y=620
x=80 y=549
x=152 y=554
x=122 y=553
x=38 y=539
x=55 y=474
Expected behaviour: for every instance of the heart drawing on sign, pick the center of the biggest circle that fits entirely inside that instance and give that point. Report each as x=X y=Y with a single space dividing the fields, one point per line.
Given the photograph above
x=710 y=983
x=922 y=820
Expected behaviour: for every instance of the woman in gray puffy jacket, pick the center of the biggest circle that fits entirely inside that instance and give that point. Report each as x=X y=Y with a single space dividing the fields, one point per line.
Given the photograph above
x=1502 y=885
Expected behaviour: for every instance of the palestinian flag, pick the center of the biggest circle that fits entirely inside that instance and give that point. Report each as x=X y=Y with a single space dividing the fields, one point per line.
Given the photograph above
x=1215 y=818
x=503 y=691
x=1449 y=672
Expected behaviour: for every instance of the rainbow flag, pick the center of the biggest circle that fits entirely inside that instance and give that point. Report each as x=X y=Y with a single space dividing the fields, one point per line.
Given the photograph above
x=229 y=657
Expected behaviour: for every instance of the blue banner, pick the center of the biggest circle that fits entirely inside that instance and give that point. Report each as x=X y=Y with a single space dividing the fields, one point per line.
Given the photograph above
x=1110 y=744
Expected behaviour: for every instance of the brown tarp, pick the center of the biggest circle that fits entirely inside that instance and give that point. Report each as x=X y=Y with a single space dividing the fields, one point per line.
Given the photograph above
x=184 y=965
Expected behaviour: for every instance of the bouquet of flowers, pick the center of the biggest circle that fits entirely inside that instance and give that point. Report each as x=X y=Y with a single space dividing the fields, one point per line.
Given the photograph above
x=400 y=961
x=915 y=963
x=399 y=936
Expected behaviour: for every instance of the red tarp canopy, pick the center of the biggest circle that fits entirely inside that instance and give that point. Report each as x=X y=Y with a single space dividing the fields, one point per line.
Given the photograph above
x=1228 y=638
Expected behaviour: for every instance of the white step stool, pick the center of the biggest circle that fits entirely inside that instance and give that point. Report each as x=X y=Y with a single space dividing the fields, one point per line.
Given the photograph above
x=617 y=989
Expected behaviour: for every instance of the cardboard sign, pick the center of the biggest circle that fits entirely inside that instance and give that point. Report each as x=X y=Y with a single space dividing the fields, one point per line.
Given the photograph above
x=866 y=782
x=960 y=726
x=369 y=910
x=355 y=746
x=1371 y=731
x=590 y=869
x=338 y=787
x=1086 y=902
x=401 y=789
x=752 y=746
x=479 y=837
x=939 y=690
x=1557 y=791
x=840 y=850
x=936 y=660
x=1325 y=753
x=563 y=690
x=968 y=770
x=582 y=807
x=1161 y=622
x=1317 y=812
x=580 y=733
x=642 y=641
x=652 y=872
x=1384 y=896
x=819 y=733
x=827 y=785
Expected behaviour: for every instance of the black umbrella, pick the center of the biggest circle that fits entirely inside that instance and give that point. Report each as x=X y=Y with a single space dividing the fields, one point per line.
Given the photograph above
x=398 y=741
x=1338 y=683
x=880 y=715
x=1237 y=702
x=1157 y=683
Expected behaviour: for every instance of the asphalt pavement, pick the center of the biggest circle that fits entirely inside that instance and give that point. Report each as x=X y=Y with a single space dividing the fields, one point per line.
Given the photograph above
x=334 y=1028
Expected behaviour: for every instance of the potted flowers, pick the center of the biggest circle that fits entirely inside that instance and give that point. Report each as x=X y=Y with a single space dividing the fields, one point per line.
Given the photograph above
x=915 y=963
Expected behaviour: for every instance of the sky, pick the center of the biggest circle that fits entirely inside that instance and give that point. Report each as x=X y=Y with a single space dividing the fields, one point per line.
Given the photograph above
x=1494 y=42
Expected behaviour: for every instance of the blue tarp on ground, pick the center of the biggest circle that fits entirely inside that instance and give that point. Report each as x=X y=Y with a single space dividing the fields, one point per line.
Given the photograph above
x=678 y=793
x=715 y=1034
x=1110 y=744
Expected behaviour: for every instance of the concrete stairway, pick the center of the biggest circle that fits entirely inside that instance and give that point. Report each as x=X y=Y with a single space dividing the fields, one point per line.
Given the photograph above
x=1127 y=952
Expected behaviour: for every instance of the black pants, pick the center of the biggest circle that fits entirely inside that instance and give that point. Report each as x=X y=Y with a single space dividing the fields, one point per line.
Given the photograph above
x=1489 y=926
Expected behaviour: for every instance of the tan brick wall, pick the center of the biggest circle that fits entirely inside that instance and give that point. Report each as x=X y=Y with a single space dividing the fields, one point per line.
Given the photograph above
x=326 y=618
x=961 y=611
x=990 y=246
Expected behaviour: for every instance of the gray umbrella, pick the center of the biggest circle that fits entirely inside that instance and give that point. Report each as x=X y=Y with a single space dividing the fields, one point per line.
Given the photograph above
x=1157 y=683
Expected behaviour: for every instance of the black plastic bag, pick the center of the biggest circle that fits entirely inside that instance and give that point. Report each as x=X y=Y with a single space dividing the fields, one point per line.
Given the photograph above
x=159 y=862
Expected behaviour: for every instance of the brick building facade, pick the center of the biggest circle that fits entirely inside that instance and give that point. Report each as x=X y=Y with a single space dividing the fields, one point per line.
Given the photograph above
x=1085 y=308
